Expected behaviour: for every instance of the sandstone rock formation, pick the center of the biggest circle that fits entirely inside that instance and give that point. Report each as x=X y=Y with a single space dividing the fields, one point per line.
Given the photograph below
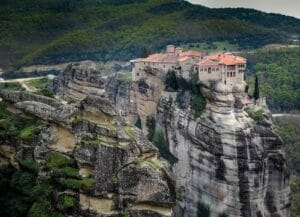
x=227 y=161
x=79 y=80
x=89 y=154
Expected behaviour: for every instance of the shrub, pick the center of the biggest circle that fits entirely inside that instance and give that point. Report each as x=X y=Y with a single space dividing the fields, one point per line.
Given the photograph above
x=68 y=171
x=29 y=164
x=223 y=214
x=171 y=81
x=138 y=123
x=76 y=184
x=67 y=202
x=255 y=115
x=203 y=210
x=24 y=182
x=198 y=105
x=29 y=131
x=56 y=160
x=160 y=142
x=150 y=124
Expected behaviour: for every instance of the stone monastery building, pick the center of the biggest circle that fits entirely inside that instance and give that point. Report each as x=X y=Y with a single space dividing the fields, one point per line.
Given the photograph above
x=224 y=67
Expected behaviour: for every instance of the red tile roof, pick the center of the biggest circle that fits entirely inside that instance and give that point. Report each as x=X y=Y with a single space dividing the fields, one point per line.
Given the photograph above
x=192 y=53
x=226 y=59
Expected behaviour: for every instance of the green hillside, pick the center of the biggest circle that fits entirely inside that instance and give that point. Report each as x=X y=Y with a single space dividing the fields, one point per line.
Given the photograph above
x=52 y=31
x=279 y=75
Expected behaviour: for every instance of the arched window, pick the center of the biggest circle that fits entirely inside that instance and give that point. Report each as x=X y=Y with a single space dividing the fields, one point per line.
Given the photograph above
x=230 y=74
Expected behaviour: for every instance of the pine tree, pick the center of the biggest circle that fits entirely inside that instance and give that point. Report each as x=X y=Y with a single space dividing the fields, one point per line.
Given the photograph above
x=256 y=89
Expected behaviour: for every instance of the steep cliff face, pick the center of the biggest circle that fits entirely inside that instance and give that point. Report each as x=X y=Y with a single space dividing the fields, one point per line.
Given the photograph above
x=228 y=162
x=79 y=80
x=95 y=164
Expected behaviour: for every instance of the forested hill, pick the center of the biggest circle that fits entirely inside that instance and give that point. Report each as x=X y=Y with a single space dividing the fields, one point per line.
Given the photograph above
x=52 y=31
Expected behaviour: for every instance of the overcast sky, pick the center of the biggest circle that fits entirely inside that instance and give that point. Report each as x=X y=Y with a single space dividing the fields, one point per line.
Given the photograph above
x=287 y=7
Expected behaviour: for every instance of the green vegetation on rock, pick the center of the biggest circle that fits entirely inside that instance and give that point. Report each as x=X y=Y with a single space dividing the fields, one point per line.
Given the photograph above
x=11 y=86
x=76 y=184
x=203 y=210
x=257 y=115
x=16 y=128
x=56 y=160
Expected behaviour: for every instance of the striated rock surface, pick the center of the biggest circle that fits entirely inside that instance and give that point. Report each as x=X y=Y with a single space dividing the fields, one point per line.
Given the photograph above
x=79 y=80
x=122 y=96
x=87 y=153
x=227 y=161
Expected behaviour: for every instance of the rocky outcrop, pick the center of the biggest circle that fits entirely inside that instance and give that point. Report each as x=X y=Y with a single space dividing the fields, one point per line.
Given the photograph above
x=227 y=161
x=121 y=95
x=89 y=154
x=79 y=80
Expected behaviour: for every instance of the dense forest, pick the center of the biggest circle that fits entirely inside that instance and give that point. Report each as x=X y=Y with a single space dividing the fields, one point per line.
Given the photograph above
x=279 y=75
x=289 y=130
x=52 y=31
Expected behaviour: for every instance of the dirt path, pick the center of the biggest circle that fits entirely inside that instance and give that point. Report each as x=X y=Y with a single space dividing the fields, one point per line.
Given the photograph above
x=23 y=81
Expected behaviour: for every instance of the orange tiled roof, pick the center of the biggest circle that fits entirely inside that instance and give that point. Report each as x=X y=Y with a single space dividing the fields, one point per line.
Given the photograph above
x=191 y=53
x=227 y=59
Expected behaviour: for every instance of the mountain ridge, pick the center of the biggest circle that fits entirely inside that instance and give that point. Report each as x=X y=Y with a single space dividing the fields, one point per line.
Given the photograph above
x=51 y=31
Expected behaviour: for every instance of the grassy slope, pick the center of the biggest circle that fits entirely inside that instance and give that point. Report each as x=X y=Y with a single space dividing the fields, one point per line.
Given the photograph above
x=50 y=31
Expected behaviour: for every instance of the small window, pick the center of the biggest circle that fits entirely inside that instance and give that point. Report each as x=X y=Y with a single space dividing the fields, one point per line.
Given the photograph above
x=164 y=66
x=227 y=74
x=140 y=69
x=230 y=74
x=217 y=69
x=209 y=70
x=137 y=74
x=205 y=69
x=144 y=63
x=233 y=74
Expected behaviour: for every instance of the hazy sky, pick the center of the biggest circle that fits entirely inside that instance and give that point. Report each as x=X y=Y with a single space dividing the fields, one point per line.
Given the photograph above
x=288 y=7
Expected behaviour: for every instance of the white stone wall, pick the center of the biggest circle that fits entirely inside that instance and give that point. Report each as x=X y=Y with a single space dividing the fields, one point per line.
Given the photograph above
x=229 y=75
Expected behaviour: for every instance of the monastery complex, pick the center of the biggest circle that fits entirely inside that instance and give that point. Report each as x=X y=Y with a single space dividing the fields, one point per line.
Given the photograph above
x=224 y=67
